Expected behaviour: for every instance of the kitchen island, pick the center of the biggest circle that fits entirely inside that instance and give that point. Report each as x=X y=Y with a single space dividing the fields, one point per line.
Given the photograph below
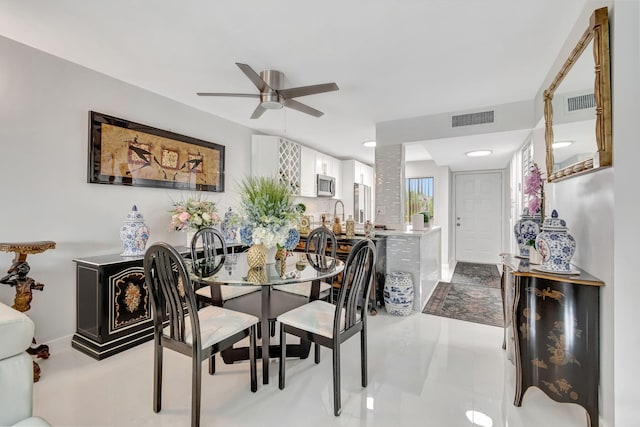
x=418 y=253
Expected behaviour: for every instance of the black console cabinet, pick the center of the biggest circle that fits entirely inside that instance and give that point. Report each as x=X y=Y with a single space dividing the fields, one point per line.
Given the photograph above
x=113 y=305
x=552 y=324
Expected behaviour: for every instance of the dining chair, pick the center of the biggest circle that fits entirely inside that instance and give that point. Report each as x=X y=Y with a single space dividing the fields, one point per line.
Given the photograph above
x=179 y=325
x=319 y=241
x=206 y=244
x=330 y=325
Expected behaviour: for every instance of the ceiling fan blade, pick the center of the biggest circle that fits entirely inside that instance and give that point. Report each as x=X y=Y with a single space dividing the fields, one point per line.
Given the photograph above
x=258 y=112
x=237 y=95
x=302 y=108
x=254 y=77
x=307 y=90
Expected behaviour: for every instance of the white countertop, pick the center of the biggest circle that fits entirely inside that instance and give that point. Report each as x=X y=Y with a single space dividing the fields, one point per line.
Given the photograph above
x=419 y=233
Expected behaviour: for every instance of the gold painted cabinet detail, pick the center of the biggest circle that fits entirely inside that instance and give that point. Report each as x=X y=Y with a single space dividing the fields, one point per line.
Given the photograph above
x=554 y=330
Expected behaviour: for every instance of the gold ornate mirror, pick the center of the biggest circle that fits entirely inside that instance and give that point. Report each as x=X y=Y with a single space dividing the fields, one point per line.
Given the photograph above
x=577 y=106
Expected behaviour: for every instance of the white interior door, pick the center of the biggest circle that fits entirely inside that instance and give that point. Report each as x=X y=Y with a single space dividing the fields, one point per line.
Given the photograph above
x=478 y=217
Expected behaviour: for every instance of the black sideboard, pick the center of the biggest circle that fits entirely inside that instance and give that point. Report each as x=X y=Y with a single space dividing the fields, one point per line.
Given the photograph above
x=113 y=304
x=552 y=333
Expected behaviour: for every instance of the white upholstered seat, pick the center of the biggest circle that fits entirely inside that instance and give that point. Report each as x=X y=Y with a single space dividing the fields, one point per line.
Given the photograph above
x=217 y=324
x=315 y=317
x=227 y=291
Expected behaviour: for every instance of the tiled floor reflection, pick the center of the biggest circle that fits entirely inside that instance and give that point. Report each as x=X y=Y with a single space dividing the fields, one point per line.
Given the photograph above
x=423 y=371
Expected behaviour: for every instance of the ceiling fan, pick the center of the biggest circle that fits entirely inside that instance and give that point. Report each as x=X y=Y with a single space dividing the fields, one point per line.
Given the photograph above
x=272 y=95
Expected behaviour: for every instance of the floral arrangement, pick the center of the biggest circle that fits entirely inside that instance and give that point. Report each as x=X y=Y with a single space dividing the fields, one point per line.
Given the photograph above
x=268 y=215
x=534 y=188
x=193 y=214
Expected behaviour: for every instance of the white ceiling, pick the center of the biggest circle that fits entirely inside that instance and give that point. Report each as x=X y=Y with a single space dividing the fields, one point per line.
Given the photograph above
x=391 y=59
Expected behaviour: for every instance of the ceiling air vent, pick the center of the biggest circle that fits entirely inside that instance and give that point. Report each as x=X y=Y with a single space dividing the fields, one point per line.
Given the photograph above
x=581 y=102
x=472 y=119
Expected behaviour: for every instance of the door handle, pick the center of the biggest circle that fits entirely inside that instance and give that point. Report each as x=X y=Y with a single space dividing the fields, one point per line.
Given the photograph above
x=458 y=224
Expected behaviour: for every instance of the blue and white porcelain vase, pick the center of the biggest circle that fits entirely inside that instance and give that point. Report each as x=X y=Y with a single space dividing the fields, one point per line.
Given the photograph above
x=526 y=229
x=228 y=228
x=555 y=245
x=134 y=234
x=398 y=293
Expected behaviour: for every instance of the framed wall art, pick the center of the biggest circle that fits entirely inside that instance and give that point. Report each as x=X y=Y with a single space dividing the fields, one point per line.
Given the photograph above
x=127 y=153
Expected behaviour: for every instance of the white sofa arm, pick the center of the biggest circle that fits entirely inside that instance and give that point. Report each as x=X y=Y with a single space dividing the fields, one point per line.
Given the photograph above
x=16 y=369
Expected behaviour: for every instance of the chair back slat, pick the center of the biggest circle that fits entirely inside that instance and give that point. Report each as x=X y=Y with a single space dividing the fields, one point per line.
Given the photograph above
x=173 y=297
x=356 y=282
x=204 y=251
x=321 y=241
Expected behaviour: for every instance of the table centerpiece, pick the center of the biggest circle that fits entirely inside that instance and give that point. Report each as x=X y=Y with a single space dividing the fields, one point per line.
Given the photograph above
x=268 y=219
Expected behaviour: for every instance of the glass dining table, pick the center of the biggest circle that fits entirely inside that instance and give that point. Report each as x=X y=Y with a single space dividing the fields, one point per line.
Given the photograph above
x=268 y=304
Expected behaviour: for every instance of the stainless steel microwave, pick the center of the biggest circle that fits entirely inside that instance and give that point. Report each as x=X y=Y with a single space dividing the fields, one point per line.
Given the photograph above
x=326 y=186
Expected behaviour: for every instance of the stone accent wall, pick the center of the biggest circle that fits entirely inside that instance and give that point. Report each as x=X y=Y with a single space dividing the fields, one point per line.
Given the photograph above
x=389 y=209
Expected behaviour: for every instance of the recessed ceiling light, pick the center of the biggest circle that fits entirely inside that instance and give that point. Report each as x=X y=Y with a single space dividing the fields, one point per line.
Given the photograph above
x=479 y=153
x=561 y=144
x=369 y=143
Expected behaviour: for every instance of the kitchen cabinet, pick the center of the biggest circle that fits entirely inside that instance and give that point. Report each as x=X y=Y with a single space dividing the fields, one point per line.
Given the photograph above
x=275 y=156
x=336 y=172
x=354 y=172
x=293 y=163
x=323 y=165
x=367 y=175
x=330 y=166
x=307 y=172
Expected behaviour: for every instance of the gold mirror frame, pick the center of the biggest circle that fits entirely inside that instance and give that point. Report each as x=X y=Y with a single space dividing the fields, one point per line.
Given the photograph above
x=598 y=31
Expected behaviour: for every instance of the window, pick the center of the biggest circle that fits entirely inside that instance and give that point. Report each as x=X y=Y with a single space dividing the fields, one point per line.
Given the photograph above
x=419 y=197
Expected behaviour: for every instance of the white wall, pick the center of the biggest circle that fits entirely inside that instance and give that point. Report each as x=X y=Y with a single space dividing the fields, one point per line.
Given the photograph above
x=600 y=212
x=620 y=307
x=441 y=192
x=43 y=176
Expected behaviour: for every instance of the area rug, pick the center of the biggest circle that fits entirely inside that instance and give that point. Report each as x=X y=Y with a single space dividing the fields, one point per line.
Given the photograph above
x=476 y=274
x=475 y=299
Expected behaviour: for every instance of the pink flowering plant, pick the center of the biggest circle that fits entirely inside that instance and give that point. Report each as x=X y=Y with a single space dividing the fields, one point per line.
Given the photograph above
x=193 y=214
x=534 y=189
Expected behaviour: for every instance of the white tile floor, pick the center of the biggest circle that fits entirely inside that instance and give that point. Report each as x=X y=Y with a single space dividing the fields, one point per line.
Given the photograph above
x=423 y=371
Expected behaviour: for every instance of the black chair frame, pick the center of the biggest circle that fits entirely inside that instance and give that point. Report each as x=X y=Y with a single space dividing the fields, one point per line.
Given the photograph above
x=357 y=275
x=175 y=305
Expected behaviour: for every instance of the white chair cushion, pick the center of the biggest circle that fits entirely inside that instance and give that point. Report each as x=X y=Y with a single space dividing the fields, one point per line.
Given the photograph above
x=228 y=291
x=16 y=331
x=316 y=317
x=216 y=324
x=303 y=289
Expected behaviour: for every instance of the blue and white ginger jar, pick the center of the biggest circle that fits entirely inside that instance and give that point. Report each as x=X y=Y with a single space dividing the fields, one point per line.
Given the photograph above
x=526 y=228
x=134 y=234
x=555 y=245
x=228 y=228
x=398 y=293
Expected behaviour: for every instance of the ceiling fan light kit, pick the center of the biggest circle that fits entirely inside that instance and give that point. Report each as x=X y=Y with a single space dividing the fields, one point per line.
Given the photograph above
x=272 y=95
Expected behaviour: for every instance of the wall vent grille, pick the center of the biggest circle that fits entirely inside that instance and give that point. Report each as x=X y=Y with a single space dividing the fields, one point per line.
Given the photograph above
x=472 y=119
x=581 y=102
